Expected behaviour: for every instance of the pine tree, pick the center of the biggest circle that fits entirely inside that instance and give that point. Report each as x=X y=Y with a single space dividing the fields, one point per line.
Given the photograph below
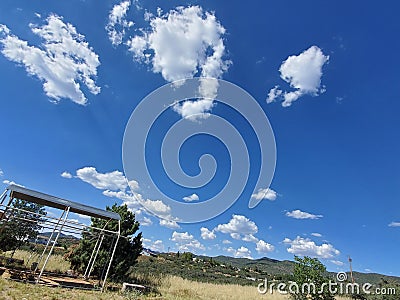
x=128 y=248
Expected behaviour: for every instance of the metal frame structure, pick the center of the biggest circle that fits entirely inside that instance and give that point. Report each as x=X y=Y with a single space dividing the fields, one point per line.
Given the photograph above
x=60 y=224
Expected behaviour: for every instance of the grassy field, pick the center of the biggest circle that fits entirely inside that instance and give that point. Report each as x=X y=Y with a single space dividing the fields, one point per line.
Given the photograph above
x=168 y=287
x=56 y=262
x=172 y=288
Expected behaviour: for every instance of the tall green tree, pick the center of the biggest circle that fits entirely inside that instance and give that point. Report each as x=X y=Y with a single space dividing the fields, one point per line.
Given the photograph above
x=128 y=248
x=310 y=272
x=18 y=227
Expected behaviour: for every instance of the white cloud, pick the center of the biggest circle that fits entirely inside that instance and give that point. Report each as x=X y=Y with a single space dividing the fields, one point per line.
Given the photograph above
x=66 y=174
x=145 y=221
x=238 y=227
x=316 y=234
x=105 y=181
x=180 y=44
x=394 y=224
x=207 y=234
x=63 y=62
x=133 y=185
x=267 y=194
x=199 y=109
x=1 y=172
x=124 y=196
x=273 y=94
x=154 y=246
x=306 y=247
x=186 y=241
x=169 y=224
x=84 y=216
x=192 y=197
x=337 y=262
x=242 y=252
x=298 y=214
x=114 y=185
x=303 y=72
x=117 y=22
x=263 y=247
x=157 y=207
x=250 y=238
x=134 y=202
x=10 y=182
x=226 y=242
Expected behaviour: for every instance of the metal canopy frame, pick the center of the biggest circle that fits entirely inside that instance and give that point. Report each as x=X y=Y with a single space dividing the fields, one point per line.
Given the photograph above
x=63 y=224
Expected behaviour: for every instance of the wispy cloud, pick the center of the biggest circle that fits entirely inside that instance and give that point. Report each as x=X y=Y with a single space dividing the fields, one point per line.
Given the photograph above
x=394 y=224
x=298 y=214
x=117 y=22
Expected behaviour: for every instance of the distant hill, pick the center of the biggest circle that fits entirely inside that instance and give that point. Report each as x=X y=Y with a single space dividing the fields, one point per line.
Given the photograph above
x=272 y=266
x=225 y=269
x=61 y=236
x=275 y=267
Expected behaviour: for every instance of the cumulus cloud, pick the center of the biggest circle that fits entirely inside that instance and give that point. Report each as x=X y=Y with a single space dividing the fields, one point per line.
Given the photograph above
x=158 y=207
x=169 y=224
x=306 y=247
x=114 y=180
x=63 y=61
x=1 y=172
x=394 y=224
x=117 y=22
x=239 y=227
x=180 y=44
x=250 y=238
x=145 y=221
x=264 y=247
x=154 y=246
x=265 y=194
x=303 y=72
x=186 y=242
x=207 y=234
x=298 y=214
x=316 y=234
x=66 y=174
x=115 y=185
x=192 y=197
x=242 y=252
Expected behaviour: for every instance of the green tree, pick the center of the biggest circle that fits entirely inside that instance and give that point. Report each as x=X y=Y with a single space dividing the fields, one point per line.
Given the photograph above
x=128 y=248
x=18 y=227
x=187 y=256
x=309 y=273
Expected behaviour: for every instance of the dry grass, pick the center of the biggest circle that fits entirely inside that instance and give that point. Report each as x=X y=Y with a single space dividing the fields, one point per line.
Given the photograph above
x=56 y=262
x=170 y=288
x=182 y=289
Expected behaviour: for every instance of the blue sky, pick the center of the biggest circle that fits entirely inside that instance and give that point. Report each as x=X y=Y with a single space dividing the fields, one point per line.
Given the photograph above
x=325 y=75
